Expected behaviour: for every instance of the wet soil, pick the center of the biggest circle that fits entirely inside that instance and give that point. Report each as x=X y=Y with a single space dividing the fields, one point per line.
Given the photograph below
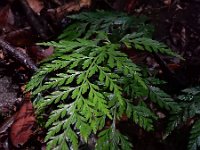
x=8 y=93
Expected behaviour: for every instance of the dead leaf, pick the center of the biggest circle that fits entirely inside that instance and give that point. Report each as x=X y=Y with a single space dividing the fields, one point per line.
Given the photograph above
x=7 y=124
x=21 y=129
x=130 y=5
x=167 y=2
x=173 y=67
x=19 y=37
x=161 y=115
x=124 y=117
x=71 y=6
x=125 y=5
x=2 y=55
x=38 y=54
x=47 y=52
x=85 y=3
x=36 y=5
x=6 y=18
x=4 y=128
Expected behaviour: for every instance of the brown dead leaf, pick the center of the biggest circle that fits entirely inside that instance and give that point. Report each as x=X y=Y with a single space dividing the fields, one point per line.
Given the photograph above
x=19 y=37
x=21 y=129
x=7 y=124
x=130 y=5
x=38 y=54
x=71 y=6
x=36 y=5
x=1 y=55
x=85 y=3
x=4 y=128
x=167 y=2
x=124 y=117
x=125 y=5
x=6 y=18
x=173 y=67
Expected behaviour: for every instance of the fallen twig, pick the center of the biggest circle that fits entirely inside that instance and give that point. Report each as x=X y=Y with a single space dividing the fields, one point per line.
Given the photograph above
x=18 y=55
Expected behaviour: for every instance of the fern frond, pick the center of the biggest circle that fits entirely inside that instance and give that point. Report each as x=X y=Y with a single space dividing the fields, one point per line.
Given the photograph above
x=190 y=104
x=194 y=139
x=140 y=42
x=73 y=31
x=107 y=22
x=173 y=122
x=37 y=79
x=112 y=139
x=141 y=115
x=162 y=99
x=84 y=83
x=84 y=95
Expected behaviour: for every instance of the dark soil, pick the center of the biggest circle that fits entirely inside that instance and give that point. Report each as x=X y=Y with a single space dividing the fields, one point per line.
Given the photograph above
x=179 y=27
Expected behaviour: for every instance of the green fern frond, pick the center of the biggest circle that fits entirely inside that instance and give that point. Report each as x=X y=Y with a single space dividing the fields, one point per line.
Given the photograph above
x=112 y=139
x=189 y=101
x=194 y=139
x=37 y=79
x=141 y=115
x=173 y=122
x=83 y=94
x=101 y=20
x=190 y=104
x=84 y=83
x=116 y=23
x=162 y=99
x=140 y=42
x=74 y=31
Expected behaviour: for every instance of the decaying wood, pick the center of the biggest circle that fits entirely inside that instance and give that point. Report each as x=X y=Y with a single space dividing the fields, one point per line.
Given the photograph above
x=18 y=55
x=33 y=20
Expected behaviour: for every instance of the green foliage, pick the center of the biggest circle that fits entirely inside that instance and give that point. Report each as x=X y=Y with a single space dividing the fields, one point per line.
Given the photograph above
x=112 y=140
x=83 y=85
x=162 y=99
x=115 y=22
x=140 y=42
x=194 y=139
x=190 y=109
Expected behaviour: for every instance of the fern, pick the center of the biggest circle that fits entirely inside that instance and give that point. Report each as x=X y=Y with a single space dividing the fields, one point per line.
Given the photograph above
x=191 y=106
x=82 y=85
x=110 y=22
x=194 y=139
x=162 y=99
x=190 y=109
x=114 y=140
x=140 y=42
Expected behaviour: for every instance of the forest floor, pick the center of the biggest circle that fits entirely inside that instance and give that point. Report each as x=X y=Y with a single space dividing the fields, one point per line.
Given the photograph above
x=176 y=23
